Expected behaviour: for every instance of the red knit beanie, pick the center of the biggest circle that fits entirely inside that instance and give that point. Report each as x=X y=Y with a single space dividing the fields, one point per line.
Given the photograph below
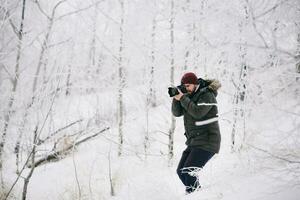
x=189 y=78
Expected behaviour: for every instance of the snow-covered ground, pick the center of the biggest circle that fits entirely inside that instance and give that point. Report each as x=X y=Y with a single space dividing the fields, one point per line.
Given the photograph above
x=85 y=173
x=252 y=47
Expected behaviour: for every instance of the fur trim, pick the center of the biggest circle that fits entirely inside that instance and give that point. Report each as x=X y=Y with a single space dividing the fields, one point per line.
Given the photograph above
x=214 y=84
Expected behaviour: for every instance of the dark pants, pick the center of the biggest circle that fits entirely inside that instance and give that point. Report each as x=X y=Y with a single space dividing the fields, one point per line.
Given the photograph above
x=192 y=159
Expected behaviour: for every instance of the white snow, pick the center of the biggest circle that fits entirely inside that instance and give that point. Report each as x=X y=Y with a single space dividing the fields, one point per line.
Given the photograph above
x=227 y=175
x=215 y=39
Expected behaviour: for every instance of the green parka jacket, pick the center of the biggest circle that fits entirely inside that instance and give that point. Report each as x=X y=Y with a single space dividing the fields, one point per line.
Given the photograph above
x=200 y=115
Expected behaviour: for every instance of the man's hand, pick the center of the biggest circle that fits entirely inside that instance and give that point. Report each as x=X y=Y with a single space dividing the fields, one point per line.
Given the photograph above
x=178 y=96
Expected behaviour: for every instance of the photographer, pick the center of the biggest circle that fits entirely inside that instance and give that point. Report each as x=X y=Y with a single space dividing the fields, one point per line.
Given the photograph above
x=198 y=106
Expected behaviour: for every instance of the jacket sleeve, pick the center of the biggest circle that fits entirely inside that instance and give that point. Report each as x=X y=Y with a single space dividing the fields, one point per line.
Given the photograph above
x=177 y=109
x=202 y=107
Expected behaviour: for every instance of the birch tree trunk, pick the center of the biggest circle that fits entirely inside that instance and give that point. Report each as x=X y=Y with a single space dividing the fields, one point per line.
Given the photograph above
x=121 y=81
x=146 y=138
x=189 y=34
x=151 y=98
x=195 y=44
x=42 y=53
x=238 y=133
x=7 y=116
x=92 y=52
x=298 y=60
x=41 y=62
x=28 y=177
x=173 y=121
x=298 y=53
x=68 y=81
x=152 y=71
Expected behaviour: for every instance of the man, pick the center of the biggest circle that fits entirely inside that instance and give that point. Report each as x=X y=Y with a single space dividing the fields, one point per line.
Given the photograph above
x=200 y=114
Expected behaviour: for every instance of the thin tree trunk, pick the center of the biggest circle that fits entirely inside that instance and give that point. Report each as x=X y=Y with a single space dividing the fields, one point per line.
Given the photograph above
x=93 y=42
x=239 y=121
x=92 y=51
x=111 y=181
x=153 y=42
x=68 y=85
x=68 y=82
x=27 y=179
x=121 y=81
x=14 y=89
x=151 y=98
x=42 y=54
x=41 y=62
x=187 y=48
x=195 y=46
x=173 y=122
x=44 y=65
x=100 y=61
x=146 y=138
x=297 y=92
x=196 y=39
x=298 y=54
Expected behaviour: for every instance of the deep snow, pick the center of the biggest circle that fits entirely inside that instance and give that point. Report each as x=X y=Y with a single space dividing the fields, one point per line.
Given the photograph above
x=248 y=174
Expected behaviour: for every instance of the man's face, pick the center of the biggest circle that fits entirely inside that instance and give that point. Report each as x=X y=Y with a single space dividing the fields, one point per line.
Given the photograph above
x=190 y=88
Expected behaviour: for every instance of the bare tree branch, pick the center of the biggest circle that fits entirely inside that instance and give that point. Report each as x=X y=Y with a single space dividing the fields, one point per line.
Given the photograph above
x=55 y=155
x=288 y=85
x=40 y=8
x=15 y=30
x=33 y=149
x=57 y=131
x=274 y=156
x=263 y=47
x=53 y=10
x=14 y=27
x=254 y=24
x=59 y=43
x=79 y=10
x=270 y=10
x=11 y=77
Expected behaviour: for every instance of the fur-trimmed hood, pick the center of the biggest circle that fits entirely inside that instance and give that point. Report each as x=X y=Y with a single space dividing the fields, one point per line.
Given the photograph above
x=211 y=84
x=214 y=84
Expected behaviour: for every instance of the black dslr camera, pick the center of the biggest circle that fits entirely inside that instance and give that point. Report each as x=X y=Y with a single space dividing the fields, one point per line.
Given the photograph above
x=174 y=90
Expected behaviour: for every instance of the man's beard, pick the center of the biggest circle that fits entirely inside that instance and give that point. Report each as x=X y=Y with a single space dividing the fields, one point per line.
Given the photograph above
x=191 y=92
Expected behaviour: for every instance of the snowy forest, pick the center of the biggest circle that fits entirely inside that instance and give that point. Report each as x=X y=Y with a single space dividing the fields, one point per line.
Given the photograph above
x=85 y=111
